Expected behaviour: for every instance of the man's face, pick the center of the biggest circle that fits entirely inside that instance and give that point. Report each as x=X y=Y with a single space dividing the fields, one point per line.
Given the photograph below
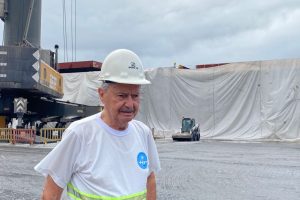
x=121 y=104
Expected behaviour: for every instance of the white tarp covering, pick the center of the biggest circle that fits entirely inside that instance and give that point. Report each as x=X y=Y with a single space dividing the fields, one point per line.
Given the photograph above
x=239 y=101
x=81 y=88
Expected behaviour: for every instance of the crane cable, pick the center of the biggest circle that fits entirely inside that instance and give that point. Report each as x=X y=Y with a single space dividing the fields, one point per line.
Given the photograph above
x=65 y=36
x=73 y=26
x=71 y=18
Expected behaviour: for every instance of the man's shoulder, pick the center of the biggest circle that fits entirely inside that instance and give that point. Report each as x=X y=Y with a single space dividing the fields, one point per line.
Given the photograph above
x=80 y=127
x=84 y=121
x=140 y=125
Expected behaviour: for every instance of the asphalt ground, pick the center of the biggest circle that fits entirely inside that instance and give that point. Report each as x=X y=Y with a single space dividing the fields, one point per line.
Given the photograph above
x=190 y=170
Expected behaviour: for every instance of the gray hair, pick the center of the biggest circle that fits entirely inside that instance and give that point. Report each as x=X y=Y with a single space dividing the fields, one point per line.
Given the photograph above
x=104 y=85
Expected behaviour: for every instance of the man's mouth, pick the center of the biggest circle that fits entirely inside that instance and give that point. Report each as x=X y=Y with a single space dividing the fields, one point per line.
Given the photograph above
x=127 y=111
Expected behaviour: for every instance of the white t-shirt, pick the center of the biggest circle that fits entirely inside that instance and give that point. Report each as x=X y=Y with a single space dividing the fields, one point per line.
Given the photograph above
x=98 y=160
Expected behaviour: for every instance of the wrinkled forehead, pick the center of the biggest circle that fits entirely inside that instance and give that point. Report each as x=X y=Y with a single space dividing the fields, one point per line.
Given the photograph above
x=124 y=88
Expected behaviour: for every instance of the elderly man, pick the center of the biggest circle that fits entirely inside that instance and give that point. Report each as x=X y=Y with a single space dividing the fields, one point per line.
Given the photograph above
x=109 y=155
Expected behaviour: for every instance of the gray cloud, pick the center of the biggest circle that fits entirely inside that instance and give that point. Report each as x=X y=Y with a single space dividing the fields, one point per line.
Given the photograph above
x=187 y=32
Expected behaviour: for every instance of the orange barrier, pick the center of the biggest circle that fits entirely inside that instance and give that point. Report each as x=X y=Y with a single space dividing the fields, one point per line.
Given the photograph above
x=6 y=134
x=24 y=136
x=52 y=134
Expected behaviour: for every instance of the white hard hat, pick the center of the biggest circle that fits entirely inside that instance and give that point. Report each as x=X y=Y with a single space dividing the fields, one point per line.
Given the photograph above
x=123 y=66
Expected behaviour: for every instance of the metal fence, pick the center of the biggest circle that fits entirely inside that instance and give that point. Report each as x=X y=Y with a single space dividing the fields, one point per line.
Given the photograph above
x=29 y=135
x=17 y=135
x=51 y=134
x=23 y=136
x=6 y=135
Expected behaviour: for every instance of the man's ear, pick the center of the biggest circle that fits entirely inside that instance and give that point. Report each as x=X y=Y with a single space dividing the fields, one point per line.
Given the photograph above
x=101 y=93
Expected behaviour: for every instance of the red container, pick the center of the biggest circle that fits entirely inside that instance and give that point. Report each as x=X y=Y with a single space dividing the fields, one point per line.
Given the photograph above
x=81 y=66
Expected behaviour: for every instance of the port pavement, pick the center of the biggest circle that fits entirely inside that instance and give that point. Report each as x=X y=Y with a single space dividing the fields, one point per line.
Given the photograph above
x=207 y=169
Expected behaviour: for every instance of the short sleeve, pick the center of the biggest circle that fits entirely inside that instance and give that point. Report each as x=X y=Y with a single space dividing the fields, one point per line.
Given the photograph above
x=60 y=163
x=154 y=163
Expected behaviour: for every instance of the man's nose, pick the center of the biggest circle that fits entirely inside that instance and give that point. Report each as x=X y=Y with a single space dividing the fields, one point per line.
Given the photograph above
x=129 y=101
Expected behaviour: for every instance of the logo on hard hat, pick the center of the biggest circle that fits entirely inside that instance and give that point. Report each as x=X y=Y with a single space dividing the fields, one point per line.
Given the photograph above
x=133 y=66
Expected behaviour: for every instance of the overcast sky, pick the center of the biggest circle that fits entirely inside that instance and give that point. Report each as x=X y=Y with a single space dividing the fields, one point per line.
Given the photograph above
x=187 y=32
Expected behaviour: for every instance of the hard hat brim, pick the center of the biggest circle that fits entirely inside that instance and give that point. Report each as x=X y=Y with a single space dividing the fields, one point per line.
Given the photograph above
x=125 y=81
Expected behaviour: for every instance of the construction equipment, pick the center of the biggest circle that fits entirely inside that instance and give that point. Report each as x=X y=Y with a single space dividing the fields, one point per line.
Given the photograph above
x=190 y=131
x=29 y=81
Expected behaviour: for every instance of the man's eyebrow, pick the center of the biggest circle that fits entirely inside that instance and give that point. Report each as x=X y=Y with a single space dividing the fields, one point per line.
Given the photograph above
x=128 y=93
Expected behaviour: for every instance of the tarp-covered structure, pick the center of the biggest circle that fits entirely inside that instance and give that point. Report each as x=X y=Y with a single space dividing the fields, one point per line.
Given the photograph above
x=81 y=88
x=238 y=101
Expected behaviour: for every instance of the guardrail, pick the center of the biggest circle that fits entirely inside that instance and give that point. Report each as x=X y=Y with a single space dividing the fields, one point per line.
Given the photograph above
x=28 y=135
x=17 y=135
x=6 y=134
x=51 y=134
x=24 y=136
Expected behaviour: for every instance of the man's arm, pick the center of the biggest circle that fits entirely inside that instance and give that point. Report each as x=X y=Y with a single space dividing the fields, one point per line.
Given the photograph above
x=151 y=187
x=51 y=190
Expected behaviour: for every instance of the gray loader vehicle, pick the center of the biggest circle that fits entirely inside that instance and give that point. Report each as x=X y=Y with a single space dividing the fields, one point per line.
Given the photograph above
x=190 y=131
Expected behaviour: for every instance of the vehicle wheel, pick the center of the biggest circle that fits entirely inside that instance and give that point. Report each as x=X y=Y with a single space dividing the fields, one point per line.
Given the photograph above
x=193 y=137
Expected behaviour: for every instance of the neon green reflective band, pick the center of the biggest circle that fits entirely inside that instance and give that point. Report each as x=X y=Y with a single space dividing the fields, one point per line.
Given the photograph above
x=78 y=195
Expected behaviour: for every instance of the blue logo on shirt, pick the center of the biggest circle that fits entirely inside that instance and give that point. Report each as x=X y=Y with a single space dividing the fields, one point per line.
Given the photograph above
x=142 y=160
